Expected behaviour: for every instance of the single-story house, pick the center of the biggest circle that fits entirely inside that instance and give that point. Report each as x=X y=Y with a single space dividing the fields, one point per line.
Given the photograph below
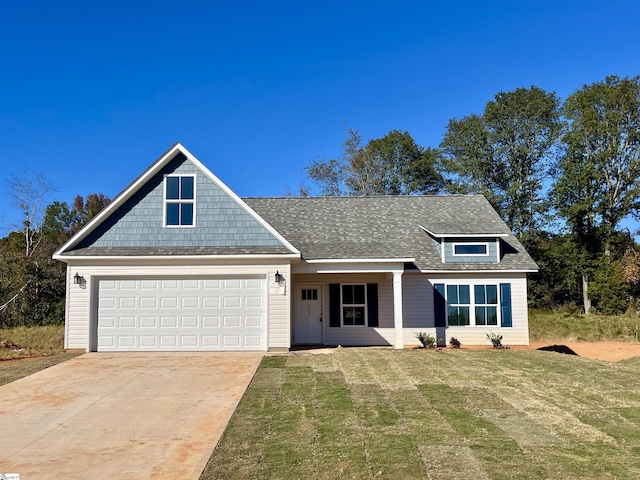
x=178 y=261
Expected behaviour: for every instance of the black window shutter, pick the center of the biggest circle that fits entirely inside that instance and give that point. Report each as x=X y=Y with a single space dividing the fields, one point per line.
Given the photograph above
x=372 y=304
x=334 y=304
x=505 y=304
x=439 y=304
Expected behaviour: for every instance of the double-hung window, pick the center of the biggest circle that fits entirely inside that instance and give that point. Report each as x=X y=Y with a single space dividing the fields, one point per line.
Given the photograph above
x=486 y=300
x=354 y=305
x=459 y=303
x=179 y=200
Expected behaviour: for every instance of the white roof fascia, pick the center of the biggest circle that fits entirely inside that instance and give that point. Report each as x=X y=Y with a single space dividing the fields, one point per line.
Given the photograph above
x=463 y=235
x=67 y=258
x=480 y=271
x=362 y=260
x=143 y=178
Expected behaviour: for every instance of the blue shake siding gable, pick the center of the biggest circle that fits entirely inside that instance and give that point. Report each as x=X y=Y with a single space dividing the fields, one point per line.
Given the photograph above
x=220 y=221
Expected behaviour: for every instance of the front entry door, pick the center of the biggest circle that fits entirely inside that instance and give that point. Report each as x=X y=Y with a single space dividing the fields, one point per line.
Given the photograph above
x=308 y=314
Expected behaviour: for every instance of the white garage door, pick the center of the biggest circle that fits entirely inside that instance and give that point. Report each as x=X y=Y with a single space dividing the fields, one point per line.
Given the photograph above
x=181 y=314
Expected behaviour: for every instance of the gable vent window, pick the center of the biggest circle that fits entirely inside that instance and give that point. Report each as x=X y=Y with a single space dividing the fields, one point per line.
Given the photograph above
x=179 y=201
x=471 y=249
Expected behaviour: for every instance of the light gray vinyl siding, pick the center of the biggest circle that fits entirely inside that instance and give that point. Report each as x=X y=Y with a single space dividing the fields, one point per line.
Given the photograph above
x=418 y=309
x=82 y=310
x=417 y=302
x=356 y=336
x=449 y=257
x=220 y=221
x=517 y=334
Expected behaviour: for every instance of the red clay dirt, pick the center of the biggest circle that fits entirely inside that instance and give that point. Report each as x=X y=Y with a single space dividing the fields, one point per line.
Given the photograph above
x=609 y=351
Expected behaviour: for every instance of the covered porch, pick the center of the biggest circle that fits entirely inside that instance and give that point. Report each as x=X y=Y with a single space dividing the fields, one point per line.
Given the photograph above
x=359 y=303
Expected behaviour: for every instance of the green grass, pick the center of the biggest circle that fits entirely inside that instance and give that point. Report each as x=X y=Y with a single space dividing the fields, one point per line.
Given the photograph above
x=558 y=326
x=454 y=414
x=13 y=370
x=32 y=341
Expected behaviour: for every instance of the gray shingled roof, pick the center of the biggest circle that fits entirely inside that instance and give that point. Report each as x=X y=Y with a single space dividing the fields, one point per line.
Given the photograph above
x=388 y=227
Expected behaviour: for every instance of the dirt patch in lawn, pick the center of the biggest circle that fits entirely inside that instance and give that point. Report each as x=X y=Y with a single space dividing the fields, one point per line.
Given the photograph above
x=609 y=351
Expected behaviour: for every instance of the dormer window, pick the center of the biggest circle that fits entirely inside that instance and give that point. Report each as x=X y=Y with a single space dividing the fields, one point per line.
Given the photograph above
x=179 y=201
x=470 y=249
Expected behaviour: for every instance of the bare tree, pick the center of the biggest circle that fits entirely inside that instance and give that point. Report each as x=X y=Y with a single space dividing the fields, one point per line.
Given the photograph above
x=28 y=193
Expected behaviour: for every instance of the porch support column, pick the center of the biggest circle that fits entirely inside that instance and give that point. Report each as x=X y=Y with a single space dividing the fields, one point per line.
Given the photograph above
x=397 y=308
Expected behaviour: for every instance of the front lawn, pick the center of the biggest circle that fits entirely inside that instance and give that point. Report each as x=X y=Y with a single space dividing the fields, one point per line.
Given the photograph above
x=454 y=414
x=35 y=341
x=12 y=370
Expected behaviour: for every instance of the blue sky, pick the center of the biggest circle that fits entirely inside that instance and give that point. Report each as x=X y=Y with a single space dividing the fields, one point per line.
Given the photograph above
x=93 y=92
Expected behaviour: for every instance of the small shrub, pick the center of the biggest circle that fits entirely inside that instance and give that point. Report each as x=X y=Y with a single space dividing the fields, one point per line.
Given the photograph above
x=495 y=339
x=427 y=340
x=454 y=342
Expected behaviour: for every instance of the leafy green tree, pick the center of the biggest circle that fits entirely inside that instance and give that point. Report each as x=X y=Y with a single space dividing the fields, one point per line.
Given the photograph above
x=391 y=165
x=506 y=154
x=597 y=186
x=553 y=285
x=85 y=209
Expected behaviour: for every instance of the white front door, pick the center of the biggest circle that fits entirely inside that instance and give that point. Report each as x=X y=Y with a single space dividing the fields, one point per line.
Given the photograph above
x=308 y=328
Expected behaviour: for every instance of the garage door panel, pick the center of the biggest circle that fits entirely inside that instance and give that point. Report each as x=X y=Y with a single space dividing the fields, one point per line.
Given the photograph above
x=189 y=341
x=149 y=302
x=148 y=341
x=211 y=341
x=211 y=321
x=182 y=314
x=191 y=302
x=168 y=322
x=189 y=322
x=126 y=322
x=148 y=322
x=126 y=341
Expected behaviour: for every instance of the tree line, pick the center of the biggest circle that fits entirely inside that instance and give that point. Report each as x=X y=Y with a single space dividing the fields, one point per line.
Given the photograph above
x=32 y=284
x=562 y=174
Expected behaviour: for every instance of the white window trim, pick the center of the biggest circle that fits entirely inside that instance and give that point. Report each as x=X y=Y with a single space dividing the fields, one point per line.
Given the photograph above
x=496 y=305
x=166 y=201
x=454 y=254
x=472 y=305
x=365 y=305
x=466 y=305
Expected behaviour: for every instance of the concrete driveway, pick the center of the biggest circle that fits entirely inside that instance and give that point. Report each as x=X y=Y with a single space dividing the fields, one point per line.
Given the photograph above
x=124 y=415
